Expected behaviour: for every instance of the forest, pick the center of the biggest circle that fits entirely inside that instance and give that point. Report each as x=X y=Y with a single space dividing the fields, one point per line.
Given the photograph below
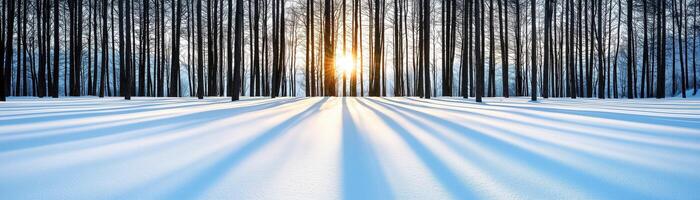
x=472 y=49
x=349 y=99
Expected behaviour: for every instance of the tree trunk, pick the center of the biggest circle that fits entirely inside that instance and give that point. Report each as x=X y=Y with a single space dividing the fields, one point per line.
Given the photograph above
x=661 y=49
x=533 y=80
x=238 y=52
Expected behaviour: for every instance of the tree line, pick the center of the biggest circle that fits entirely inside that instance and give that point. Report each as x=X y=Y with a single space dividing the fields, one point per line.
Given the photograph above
x=175 y=48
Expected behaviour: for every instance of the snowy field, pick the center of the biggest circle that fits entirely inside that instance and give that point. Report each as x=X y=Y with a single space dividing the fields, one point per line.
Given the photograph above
x=349 y=148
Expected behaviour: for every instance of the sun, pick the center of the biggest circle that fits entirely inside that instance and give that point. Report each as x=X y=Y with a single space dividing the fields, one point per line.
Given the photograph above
x=343 y=64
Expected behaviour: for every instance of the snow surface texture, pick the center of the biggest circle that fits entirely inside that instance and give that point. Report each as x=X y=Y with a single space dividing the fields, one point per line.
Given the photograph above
x=349 y=148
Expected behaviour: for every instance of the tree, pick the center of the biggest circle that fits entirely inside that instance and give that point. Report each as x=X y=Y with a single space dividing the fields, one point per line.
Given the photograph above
x=533 y=80
x=518 y=51
x=645 y=55
x=355 y=44
x=238 y=51
x=695 y=44
x=174 y=90
x=478 y=46
x=630 y=49
x=492 y=54
x=601 y=69
x=43 y=56
x=278 y=49
x=425 y=39
x=571 y=69
x=55 y=49
x=105 y=52
x=200 y=53
x=547 y=47
x=466 y=51
x=255 y=81
x=128 y=73
x=143 y=42
x=398 y=51
x=211 y=47
x=76 y=21
x=5 y=80
x=661 y=49
x=375 y=52
x=448 y=41
x=503 y=24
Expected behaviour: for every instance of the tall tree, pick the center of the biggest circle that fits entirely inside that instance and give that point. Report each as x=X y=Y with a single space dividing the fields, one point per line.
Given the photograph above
x=105 y=50
x=238 y=51
x=174 y=89
x=503 y=24
x=630 y=49
x=425 y=39
x=661 y=49
x=5 y=78
x=601 y=62
x=695 y=44
x=256 y=72
x=55 y=48
x=143 y=52
x=645 y=53
x=308 y=58
x=533 y=80
x=571 y=69
x=478 y=46
x=377 y=49
x=200 y=53
x=212 y=73
x=448 y=42
x=518 y=51
x=547 y=47
x=465 y=67
x=398 y=50
x=492 y=54
x=128 y=72
x=41 y=29
x=278 y=46
x=355 y=45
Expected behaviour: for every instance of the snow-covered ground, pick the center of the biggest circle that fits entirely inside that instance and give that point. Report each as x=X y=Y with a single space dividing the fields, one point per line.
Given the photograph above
x=349 y=148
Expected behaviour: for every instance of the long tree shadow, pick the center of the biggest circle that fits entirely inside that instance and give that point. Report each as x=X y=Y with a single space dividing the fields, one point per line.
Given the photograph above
x=445 y=176
x=362 y=174
x=187 y=136
x=67 y=106
x=212 y=173
x=107 y=129
x=128 y=109
x=633 y=132
x=638 y=113
x=582 y=179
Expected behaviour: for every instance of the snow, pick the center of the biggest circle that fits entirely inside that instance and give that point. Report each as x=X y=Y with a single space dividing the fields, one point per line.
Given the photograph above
x=349 y=148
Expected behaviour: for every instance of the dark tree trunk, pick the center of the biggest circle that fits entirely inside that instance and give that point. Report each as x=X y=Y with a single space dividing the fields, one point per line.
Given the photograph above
x=5 y=78
x=492 y=55
x=200 y=53
x=329 y=78
x=661 y=49
x=630 y=49
x=645 y=53
x=41 y=30
x=518 y=51
x=503 y=21
x=547 y=47
x=143 y=42
x=174 y=90
x=601 y=62
x=533 y=80
x=238 y=52
x=105 y=50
